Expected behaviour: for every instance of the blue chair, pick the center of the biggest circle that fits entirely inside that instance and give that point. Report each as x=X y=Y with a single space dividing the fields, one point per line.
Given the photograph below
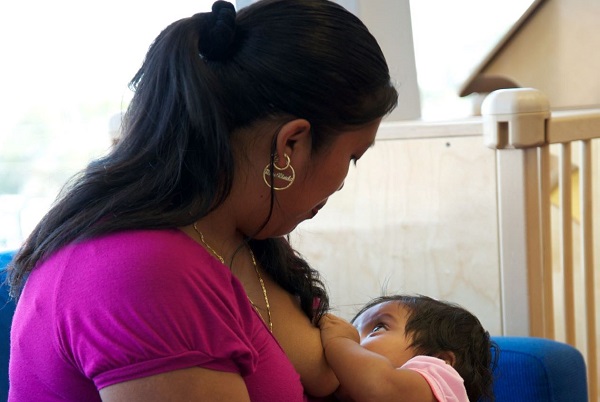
x=539 y=370
x=7 y=309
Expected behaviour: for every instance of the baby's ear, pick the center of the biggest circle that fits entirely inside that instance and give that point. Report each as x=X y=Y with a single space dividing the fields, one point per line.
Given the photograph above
x=448 y=357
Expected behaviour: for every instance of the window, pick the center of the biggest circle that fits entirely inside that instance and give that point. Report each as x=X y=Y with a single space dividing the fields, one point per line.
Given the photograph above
x=451 y=38
x=65 y=69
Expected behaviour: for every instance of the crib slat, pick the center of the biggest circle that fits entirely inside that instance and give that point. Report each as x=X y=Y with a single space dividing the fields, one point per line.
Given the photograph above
x=533 y=241
x=566 y=239
x=546 y=229
x=587 y=258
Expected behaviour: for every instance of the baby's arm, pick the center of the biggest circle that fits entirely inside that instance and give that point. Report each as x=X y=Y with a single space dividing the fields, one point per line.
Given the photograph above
x=365 y=375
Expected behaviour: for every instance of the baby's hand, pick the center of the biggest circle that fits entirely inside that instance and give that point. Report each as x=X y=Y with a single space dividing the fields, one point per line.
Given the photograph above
x=333 y=327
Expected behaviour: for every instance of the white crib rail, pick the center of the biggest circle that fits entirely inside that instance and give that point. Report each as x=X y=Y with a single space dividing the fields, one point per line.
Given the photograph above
x=519 y=125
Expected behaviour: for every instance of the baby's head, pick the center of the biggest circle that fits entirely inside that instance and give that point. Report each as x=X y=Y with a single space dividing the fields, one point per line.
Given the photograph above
x=401 y=327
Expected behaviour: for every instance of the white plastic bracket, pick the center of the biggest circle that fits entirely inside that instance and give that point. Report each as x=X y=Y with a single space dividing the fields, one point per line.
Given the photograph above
x=515 y=118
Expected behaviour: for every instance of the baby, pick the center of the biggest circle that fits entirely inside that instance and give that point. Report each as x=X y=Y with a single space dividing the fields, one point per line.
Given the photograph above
x=410 y=348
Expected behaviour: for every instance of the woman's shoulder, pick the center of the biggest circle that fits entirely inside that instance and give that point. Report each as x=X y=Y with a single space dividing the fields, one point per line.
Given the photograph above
x=140 y=260
x=164 y=248
x=149 y=242
x=132 y=270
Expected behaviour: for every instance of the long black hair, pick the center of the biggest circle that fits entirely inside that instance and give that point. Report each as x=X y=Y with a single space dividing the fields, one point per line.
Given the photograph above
x=436 y=326
x=203 y=78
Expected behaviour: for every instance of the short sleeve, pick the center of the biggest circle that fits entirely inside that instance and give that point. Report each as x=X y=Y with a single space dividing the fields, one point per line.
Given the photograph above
x=140 y=303
x=445 y=382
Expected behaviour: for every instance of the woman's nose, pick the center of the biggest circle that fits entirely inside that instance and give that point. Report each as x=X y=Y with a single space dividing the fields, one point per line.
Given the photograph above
x=341 y=186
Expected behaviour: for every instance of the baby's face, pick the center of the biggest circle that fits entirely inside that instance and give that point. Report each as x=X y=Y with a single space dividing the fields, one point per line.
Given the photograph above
x=381 y=330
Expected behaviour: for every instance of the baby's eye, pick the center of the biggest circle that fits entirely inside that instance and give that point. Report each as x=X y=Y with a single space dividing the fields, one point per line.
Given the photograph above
x=379 y=327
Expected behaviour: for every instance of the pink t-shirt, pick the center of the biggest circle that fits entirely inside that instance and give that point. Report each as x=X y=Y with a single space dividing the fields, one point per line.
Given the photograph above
x=134 y=304
x=445 y=382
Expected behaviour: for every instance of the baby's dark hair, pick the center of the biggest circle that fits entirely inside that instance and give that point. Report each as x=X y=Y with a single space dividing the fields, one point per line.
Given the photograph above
x=439 y=326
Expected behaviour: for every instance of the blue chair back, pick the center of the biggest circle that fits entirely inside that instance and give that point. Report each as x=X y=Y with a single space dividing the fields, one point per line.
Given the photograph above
x=7 y=309
x=539 y=370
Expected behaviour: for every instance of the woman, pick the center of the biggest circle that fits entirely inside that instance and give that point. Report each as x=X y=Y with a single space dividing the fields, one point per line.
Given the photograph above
x=162 y=272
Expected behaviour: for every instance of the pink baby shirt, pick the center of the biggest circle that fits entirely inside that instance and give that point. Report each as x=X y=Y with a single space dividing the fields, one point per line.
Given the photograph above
x=445 y=382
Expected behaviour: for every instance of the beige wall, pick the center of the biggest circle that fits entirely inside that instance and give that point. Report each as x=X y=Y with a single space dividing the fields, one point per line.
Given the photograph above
x=417 y=215
x=557 y=53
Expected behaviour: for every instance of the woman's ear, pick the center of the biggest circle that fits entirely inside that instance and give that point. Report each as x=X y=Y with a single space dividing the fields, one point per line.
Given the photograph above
x=448 y=357
x=294 y=140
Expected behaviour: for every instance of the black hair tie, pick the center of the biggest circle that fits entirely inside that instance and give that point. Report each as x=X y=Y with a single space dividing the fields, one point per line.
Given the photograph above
x=217 y=33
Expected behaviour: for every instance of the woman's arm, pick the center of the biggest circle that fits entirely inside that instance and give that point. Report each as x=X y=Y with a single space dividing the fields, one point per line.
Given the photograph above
x=364 y=375
x=193 y=384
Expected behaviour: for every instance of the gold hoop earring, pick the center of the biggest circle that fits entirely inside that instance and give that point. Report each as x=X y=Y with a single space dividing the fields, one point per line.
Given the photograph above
x=279 y=174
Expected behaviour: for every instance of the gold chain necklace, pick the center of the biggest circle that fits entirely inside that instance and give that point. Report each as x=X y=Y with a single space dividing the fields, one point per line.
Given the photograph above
x=260 y=279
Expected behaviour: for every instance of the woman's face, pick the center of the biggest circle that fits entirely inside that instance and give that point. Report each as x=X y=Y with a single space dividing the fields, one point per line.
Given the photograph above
x=325 y=175
x=382 y=331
